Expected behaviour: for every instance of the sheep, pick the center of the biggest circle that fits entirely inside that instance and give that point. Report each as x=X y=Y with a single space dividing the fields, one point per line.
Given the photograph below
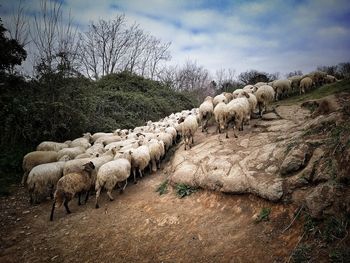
x=43 y=176
x=32 y=159
x=97 y=135
x=82 y=142
x=305 y=85
x=259 y=84
x=51 y=146
x=189 y=127
x=330 y=79
x=96 y=148
x=71 y=152
x=140 y=158
x=228 y=96
x=236 y=93
x=173 y=132
x=70 y=184
x=220 y=116
x=243 y=104
x=235 y=113
x=110 y=139
x=282 y=88
x=248 y=88
x=295 y=82
x=156 y=151
x=167 y=138
x=217 y=99
x=251 y=100
x=264 y=95
x=206 y=110
x=318 y=77
x=86 y=155
x=112 y=173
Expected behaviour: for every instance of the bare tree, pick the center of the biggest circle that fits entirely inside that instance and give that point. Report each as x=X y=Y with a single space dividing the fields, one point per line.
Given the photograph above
x=159 y=52
x=54 y=38
x=18 y=27
x=294 y=73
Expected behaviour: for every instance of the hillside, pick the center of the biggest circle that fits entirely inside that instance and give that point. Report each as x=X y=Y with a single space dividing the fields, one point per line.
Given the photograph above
x=286 y=179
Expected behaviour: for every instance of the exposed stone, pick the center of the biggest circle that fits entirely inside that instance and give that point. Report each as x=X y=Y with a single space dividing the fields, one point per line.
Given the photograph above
x=295 y=159
x=319 y=199
x=270 y=116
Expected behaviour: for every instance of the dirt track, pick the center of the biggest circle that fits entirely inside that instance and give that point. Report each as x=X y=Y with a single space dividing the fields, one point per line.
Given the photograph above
x=141 y=226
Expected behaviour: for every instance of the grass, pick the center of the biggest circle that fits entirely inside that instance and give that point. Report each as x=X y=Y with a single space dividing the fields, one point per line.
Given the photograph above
x=323 y=91
x=340 y=255
x=183 y=190
x=264 y=215
x=334 y=229
x=163 y=188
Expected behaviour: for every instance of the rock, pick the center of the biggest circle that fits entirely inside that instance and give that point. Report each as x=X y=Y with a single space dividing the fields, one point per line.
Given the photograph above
x=296 y=159
x=26 y=212
x=270 y=116
x=184 y=173
x=319 y=199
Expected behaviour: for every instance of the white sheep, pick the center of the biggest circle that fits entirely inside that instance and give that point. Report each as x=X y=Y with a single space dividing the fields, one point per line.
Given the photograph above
x=140 y=158
x=228 y=96
x=251 y=100
x=217 y=99
x=97 y=135
x=295 y=82
x=206 y=110
x=189 y=127
x=43 y=176
x=71 y=152
x=171 y=130
x=51 y=146
x=248 y=88
x=282 y=88
x=156 y=151
x=167 y=138
x=82 y=142
x=71 y=184
x=305 y=84
x=220 y=116
x=32 y=159
x=96 y=148
x=264 y=95
x=111 y=173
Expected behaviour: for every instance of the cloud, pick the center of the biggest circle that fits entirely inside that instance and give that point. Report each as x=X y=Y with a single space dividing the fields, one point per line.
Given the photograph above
x=269 y=35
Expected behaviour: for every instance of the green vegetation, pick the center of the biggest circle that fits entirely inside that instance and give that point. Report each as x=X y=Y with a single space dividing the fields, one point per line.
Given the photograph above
x=183 y=190
x=163 y=188
x=264 y=215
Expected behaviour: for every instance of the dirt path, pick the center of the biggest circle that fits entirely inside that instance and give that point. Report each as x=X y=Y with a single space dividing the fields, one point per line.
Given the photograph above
x=141 y=226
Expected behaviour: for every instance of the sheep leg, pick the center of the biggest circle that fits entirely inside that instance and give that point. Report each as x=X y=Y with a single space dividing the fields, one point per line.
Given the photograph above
x=66 y=206
x=126 y=182
x=87 y=196
x=52 y=209
x=140 y=172
x=154 y=165
x=110 y=195
x=79 y=195
x=97 y=197
x=134 y=172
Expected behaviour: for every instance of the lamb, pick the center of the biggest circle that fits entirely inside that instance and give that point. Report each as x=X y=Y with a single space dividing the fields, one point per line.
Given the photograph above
x=220 y=116
x=71 y=152
x=51 y=146
x=32 y=159
x=43 y=176
x=282 y=88
x=264 y=95
x=70 y=184
x=83 y=142
x=305 y=84
x=112 y=173
x=217 y=99
x=140 y=158
x=189 y=127
x=206 y=110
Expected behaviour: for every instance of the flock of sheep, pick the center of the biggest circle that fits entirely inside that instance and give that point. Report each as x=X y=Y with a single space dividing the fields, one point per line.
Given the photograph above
x=104 y=160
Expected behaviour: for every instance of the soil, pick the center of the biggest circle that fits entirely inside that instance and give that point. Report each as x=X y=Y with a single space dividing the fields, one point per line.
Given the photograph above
x=142 y=226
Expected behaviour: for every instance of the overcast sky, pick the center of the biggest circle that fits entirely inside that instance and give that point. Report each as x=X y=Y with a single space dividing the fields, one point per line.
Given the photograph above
x=272 y=35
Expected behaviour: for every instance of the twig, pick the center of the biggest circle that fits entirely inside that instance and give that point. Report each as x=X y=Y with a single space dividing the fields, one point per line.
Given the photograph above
x=301 y=208
x=291 y=254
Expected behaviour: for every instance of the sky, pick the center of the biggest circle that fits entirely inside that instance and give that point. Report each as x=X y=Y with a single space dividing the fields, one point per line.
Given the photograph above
x=271 y=36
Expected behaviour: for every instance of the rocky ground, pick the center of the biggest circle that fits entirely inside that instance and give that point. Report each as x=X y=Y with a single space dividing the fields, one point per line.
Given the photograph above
x=273 y=170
